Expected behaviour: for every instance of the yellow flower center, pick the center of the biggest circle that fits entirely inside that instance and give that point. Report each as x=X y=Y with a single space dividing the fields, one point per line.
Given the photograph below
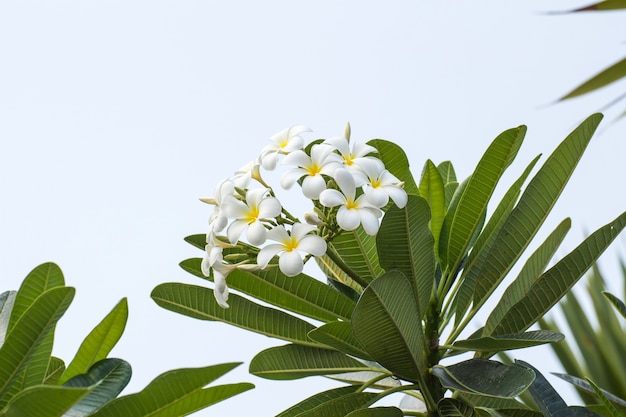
x=376 y=183
x=351 y=205
x=290 y=245
x=348 y=159
x=313 y=169
x=253 y=215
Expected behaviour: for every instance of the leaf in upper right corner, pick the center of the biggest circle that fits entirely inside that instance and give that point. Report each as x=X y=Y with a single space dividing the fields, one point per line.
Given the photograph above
x=485 y=377
x=602 y=6
x=617 y=303
x=605 y=77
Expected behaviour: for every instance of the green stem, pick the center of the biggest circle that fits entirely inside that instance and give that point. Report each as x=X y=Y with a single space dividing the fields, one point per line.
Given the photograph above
x=372 y=381
x=334 y=256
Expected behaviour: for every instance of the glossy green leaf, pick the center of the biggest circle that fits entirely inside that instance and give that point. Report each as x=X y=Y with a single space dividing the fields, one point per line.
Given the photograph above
x=396 y=162
x=549 y=401
x=473 y=202
x=484 y=377
x=318 y=399
x=617 y=303
x=486 y=239
x=531 y=270
x=453 y=407
x=29 y=333
x=432 y=189
x=529 y=214
x=386 y=323
x=175 y=393
x=356 y=253
x=508 y=341
x=301 y=294
x=56 y=367
x=338 y=335
x=342 y=405
x=106 y=378
x=377 y=412
x=296 y=361
x=199 y=303
x=405 y=243
x=43 y=401
x=605 y=77
x=99 y=342
x=552 y=285
x=7 y=299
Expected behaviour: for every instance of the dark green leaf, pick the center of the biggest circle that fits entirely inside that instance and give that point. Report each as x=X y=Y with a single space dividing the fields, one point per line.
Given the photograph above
x=549 y=401
x=317 y=399
x=296 y=361
x=55 y=370
x=338 y=335
x=453 y=407
x=377 y=412
x=584 y=384
x=617 y=303
x=508 y=341
x=342 y=405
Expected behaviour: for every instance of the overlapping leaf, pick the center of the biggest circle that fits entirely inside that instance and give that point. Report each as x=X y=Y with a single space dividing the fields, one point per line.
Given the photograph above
x=396 y=162
x=318 y=399
x=43 y=401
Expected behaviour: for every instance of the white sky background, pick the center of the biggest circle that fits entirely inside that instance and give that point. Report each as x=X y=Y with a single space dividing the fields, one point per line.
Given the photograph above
x=115 y=116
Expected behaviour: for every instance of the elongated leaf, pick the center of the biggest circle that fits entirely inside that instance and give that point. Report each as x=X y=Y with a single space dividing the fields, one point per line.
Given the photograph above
x=602 y=6
x=197 y=241
x=617 y=303
x=317 y=399
x=199 y=303
x=43 y=401
x=492 y=402
x=432 y=189
x=484 y=377
x=396 y=162
x=585 y=385
x=612 y=410
x=508 y=341
x=405 y=243
x=473 y=203
x=446 y=171
x=377 y=412
x=342 y=405
x=532 y=269
x=55 y=370
x=357 y=252
x=338 y=335
x=28 y=334
x=529 y=214
x=453 y=407
x=549 y=401
x=99 y=342
x=7 y=299
x=295 y=361
x=605 y=77
x=301 y=294
x=386 y=321
x=551 y=286
x=337 y=277
x=175 y=393
x=107 y=378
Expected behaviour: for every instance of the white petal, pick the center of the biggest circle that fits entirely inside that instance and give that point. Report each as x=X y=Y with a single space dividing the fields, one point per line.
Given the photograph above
x=345 y=182
x=362 y=149
x=290 y=263
x=369 y=221
x=348 y=219
x=205 y=266
x=269 y=208
x=235 y=230
x=295 y=143
x=257 y=233
x=300 y=230
x=269 y=160
x=267 y=253
x=398 y=195
x=221 y=289
x=255 y=196
x=290 y=177
x=340 y=143
x=313 y=244
x=312 y=186
x=376 y=196
x=235 y=209
x=298 y=158
x=332 y=198
x=278 y=234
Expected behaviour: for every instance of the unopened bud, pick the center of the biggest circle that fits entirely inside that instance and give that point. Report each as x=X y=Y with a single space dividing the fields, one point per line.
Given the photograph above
x=347 y=131
x=312 y=219
x=209 y=200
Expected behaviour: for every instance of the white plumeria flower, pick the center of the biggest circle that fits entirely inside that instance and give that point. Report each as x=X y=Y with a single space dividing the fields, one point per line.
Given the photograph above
x=351 y=156
x=380 y=184
x=218 y=219
x=249 y=215
x=283 y=142
x=352 y=211
x=289 y=247
x=323 y=161
x=220 y=272
x=242 y=176
x=212 y=256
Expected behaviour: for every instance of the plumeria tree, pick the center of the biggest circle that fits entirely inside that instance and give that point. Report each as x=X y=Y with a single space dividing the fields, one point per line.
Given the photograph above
x=404 y=265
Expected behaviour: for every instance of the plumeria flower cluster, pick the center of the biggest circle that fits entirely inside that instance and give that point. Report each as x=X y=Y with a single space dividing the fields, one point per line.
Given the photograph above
x=248 y=228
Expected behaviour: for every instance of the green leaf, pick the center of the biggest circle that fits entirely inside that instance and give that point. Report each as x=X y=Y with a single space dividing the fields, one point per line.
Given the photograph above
x=43 y=401
x=357 y=252
x=198 y=241
x=617 y=303
x=603 y=5
x=29 y=333
x=199 y=303
x=317 y=399
x=7 y=299
x=99 y=342
x=532 y=269
x=107 y=378
x=446 y=171
x=432 y=189
x=296 y=361
x=342 y=405
x=484 y=377
x=605 y=77
x=405 y=243
x=549 y=401
x=338 y=335
x=585 y=385
x=551 y=286
x=386 y=322
x=301 y=294
x=453 y=407
x=508 y=341
x=55 y=370
x=396 y=162
x=175 y=393
x=529 y=214
x=613 y=412
x=473 y=203
x=377 y=412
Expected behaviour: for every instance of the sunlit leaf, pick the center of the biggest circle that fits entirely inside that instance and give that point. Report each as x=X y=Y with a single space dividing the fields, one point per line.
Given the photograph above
x=43 y=401
x=356 y=251
x=605 y=77
x=55 y=370
x=432 y=189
